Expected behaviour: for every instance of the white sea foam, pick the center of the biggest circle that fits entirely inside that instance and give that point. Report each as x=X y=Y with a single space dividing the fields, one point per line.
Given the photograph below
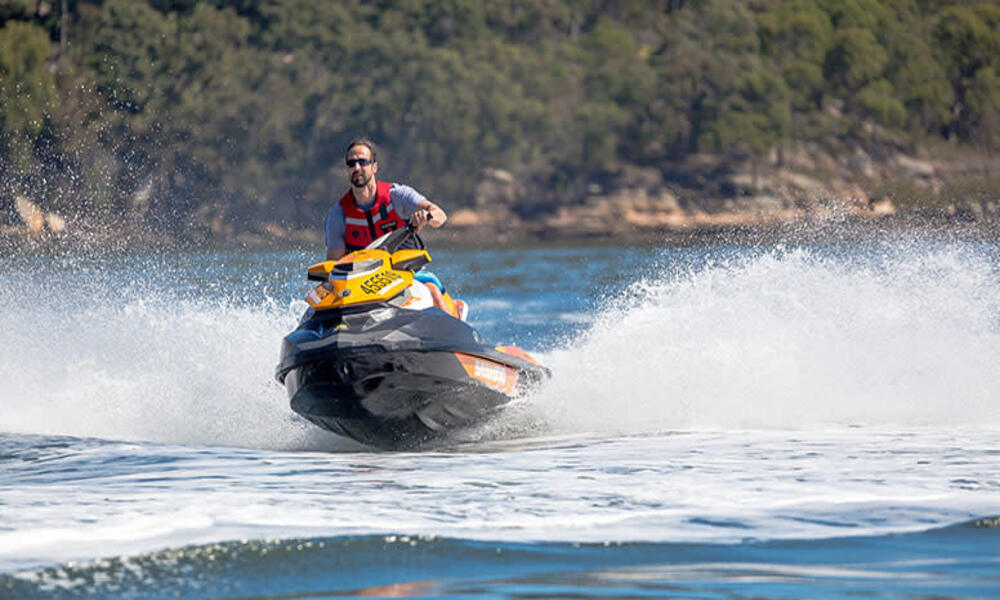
x=789 y=339
x=146 y=363
x=772 y=340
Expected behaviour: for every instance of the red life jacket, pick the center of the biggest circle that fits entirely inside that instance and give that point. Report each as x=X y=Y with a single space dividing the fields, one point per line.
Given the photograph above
x=361 y=227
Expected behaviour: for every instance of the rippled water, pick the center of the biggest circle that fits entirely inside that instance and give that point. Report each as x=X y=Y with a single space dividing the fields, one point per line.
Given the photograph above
x=723 y=421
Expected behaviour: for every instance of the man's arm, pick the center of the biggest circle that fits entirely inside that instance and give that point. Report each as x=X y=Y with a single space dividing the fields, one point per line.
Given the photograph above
x=333 y=229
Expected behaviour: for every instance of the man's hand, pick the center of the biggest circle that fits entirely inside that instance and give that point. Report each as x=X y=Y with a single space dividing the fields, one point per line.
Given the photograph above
x=420 y=218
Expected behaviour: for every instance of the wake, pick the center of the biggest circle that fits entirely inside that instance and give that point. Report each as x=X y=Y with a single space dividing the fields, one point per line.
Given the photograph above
x=790 y=339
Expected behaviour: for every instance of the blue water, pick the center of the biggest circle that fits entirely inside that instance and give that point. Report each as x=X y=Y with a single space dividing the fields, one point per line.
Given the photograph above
x=723 y=421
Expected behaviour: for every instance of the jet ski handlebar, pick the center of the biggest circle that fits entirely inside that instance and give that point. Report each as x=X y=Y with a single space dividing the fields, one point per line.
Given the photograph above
x=398 y=239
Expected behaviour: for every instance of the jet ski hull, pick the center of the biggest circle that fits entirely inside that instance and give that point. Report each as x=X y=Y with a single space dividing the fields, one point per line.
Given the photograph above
x=394 y=400
x=399 y=379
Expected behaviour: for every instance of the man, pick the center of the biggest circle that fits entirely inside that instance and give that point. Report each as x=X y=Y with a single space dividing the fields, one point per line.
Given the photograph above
x=372 y=208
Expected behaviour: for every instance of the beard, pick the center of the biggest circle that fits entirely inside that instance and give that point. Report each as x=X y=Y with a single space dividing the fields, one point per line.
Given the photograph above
x=360 y=180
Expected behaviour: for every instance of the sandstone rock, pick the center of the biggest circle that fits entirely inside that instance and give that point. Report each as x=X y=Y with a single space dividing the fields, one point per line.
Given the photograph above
x=274 y=230
x=654 y=219
x=644 y=202
x=632 y=176
x=665 y=202
x=213 y=219
x=55 y=223
x=498 y=187
x=744 y=182
x=799 y=156
x=915 y=167
x=859 y=162
x=30 y=215
x=464 y=218
x=801 y=183
x=138 y=203
x=499 y=175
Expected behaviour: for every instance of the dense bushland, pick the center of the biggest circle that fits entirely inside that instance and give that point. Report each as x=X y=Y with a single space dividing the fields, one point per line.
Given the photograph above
x=170 y=111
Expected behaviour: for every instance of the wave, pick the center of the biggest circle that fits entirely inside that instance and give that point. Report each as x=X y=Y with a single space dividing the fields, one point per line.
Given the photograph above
x=954 y=561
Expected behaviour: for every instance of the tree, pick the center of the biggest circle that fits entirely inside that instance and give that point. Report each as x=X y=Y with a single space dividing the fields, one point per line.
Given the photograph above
x=27 y=92
x=968 y=38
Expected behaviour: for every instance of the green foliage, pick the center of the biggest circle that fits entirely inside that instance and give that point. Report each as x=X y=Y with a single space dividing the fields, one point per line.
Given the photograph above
x=240 y=109
x=16 y=9
x=969 y=40
x=970 y=37
x=984 y=102
x=877 y=100
x=27 y=91
x=919 y=81
x=855 y=59
x=132 y=43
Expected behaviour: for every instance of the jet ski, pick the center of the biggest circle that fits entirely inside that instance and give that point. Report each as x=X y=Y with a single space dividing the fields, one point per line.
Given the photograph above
x=374 y=360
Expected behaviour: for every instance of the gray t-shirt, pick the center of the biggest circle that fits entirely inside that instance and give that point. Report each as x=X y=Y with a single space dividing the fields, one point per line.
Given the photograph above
x=405 y=200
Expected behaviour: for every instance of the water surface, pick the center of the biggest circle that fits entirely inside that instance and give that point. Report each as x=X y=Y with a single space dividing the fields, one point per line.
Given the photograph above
x=723 y=421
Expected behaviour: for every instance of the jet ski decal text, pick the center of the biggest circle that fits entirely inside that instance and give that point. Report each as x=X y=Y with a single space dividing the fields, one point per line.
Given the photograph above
x=376 y=283
x=493 y=374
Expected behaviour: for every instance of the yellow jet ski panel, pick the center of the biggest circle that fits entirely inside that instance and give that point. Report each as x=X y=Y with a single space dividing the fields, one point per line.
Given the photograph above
x=360 y=277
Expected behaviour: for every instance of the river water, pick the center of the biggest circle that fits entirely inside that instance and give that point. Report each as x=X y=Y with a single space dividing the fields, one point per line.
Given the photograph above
x=723 y=421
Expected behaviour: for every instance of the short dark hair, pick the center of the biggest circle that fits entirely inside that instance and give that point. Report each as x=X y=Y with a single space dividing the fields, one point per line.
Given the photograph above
x=363 y=142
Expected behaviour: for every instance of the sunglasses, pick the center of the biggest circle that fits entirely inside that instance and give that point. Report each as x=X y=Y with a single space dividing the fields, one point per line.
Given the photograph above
x=364 y=162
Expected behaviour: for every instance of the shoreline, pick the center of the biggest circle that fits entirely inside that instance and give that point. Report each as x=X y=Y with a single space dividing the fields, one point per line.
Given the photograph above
x=860 y=196
x=849 y=230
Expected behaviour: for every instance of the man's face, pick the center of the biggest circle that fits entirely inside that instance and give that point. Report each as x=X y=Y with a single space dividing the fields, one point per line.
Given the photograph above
x=360 y=165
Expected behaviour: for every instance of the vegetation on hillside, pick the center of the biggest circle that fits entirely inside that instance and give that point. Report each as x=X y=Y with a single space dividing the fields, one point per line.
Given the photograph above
x=174 y=111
